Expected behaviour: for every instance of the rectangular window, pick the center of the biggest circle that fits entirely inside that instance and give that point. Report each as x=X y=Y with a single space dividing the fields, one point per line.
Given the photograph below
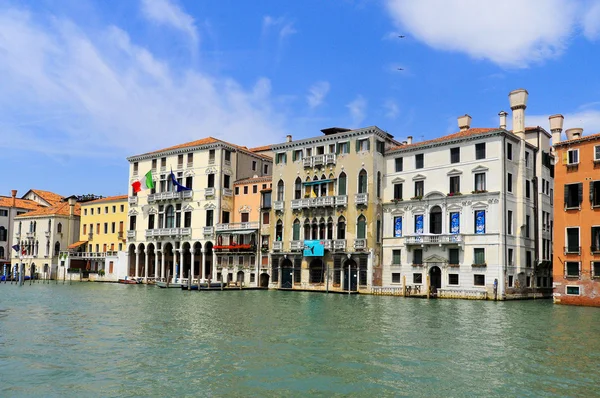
x=595 y=237
x=297 y=155
x=153 y=164
x=226 y=181
x=343 y=147
x=454 y=222
x=509 y=150
x=573 y=195
x=572 y=157
x=209 y=218
x=225 y=217
x=399 y=164
x=527 y=225
x=417 y=278
x=572 y=291
x=113 y=228
x=265 y=218
x=510 y=280
x=572 y=240
x=246 y=190
x=254 y=165
x=398 y=227
x=380 y=146
x=572 y=269
x=280 y=158
x=479 y=280
x=396 y=257
x=479 y=256
x=453 y=257
x=595 y=269
x=454 y=185
x=595 y=192
x=510 y=257
x=254 y=188
x=417 y=256
x=397 y=191
x=528 y=259
x=237 y=190
x=419 y=224
x=245 y=217
x=190 y=159
x=362 y=145
x=480 y=182
x=419 y=161
x=187 y=219
x=453 y=279
x=509 y=186
x=454 y=155
x=509 y=222
x=227 y=156
x=480 y=151
x=528 y=189
x=419 y=189
x=189 y=182
x=480 y=221
x=266 y=169
x=527 y=159
x=396 y=277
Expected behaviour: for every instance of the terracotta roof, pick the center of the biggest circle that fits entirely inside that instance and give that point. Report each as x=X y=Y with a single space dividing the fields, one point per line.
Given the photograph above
x=6 y=201
x=584 y=138
x=48 y=196
x=260 y=148
x=59 y=209
x=205 y=141
x=107 y=199
x=461 y=134
x=253 y=179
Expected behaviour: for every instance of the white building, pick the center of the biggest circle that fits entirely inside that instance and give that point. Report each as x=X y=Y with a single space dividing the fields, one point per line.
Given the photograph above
x=172 y=233
x=465 y=213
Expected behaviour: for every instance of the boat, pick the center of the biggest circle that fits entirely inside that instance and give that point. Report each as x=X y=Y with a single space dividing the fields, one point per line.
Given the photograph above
x=164 y=285
x=130 y=281
x=203 y=286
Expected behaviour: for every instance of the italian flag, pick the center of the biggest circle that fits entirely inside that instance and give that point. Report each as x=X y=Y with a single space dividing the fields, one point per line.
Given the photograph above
x=143 y=183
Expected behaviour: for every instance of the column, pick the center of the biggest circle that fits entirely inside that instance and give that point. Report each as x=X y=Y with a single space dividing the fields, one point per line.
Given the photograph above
x=162 y=265
x=181 y=267
x=146 y=266
x=137 y=263
x=202 y=268
x=192 y=257
x=213 y=265
x=173 y=275
x=370 y=266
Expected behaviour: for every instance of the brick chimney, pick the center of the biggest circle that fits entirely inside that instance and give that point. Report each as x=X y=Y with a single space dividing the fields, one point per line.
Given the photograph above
x=288 y=138
x=409 y=140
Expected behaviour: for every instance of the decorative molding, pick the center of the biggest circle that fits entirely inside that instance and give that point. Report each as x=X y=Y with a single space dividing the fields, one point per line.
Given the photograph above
x=455 y=206
x=493 y=201
x=245 y=209
x=188 y=208
x=434 y=195
x=419 y=177
x=480 y=169
x=132 y=212
x=189 y=173
x=434 y=258
x=454 y=172
x=153 y=210
x=226 y=206
x=210 y=206
x=211 y=170
x=398 y=180
x=479 y=205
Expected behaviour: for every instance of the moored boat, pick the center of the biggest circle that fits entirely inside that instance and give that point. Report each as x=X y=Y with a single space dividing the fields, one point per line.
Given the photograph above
x=129 y=281
x=164 y=285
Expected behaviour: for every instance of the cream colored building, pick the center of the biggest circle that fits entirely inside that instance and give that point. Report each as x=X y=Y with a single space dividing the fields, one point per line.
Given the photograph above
x=172 y=233
x=326 y=224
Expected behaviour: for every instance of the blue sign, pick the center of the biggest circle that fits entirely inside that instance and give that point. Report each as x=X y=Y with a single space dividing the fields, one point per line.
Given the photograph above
x=397 y=227
x=480 y=222
x=455 y=223
x=419 y=224
x=313 y=248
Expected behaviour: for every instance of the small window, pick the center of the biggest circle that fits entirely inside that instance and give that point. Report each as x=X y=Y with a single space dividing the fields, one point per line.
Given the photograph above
x=417 y=256
x=479 y=280
x=265 y=219
x=398 y=163
x=509 y=185
x=454 y=185
x=396 y=277
x=509 y=151
x=572 y=269
x=417 y=278
x=453 y=257
x=254 y=165
x=480 y=151
x=362 y=145
x=573 y=291
x=419 y=161
x=397 y=191
x=572 y=157
x=254 y=188
x=480 y=183
x=344 y=147
x=453 y=279
x=419 y=189
x=454 y=155
x=280 y=158
x=595 y=193
x=597 y=153
x=266 y=169
x=297 y=155
x=528 y=189
x=527 y=156
x=237 y=190
x=572 y=240
x=527 y=226
x=573 y=195
x=510 y=280
x=510 y=257
x=396 y=257
x=595 y=269
x=479 y=256
x=246 y=190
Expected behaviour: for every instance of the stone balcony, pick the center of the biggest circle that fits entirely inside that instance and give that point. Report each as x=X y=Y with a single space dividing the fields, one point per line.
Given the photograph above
x=162 y=232
x=236 y=226
x=163 y=196
x=208 y=230
x=319 y=160
x=131 y=234
x=227 y=192
x=296 y=245
x=339 y=244
x=277 y=246
x=360 y=244
x=209 y=192
x=433 y=239
x=278 y=205
x=321 y=201
x=133 y=200
x=361 y=198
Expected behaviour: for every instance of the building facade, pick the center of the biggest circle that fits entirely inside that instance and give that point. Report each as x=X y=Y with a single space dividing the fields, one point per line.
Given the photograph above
x=463 y=212
x=171 y=229
x=576 y=216
x=325 y=222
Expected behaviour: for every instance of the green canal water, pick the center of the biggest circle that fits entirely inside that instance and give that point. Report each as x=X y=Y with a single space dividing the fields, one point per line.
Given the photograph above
x=91 y=339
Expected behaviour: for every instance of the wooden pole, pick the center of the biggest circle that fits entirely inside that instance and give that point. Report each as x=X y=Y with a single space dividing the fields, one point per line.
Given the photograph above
x=427 y=285
x=403 y=285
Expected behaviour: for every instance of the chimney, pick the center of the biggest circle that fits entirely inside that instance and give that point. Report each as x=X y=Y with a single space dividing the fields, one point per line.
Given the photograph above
x=464 y=122
x=288 y=138
x=409 y=140
x=503 y=115
x=72 y=202
x=14 y=197
x=518 y=103
x=556 y=126
x=404 y=142
x=574 y=133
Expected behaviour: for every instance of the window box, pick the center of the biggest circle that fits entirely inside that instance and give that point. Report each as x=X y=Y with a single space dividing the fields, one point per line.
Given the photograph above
x=397 y=200
x=454 y=265
x=476 y=192
x=417 y=265
x=453 y=194
x=479 y=265
x=416 y=198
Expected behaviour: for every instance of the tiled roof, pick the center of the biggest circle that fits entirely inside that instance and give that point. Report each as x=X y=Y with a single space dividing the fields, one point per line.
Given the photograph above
x=204 y=141
x=253 y=179
x=461 y=134
x=48 y=196
x=59 y=209
x=591 y=137
x=260 y=148
x=107 y=199
x=6 y=201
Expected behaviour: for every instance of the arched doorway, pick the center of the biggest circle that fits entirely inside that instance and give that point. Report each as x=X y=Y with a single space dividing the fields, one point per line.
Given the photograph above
x=131 y=268
x=240 y=278
x=197 y=250
x=435 y=220
x=350 y=275
x=151 y=261
x=435 y=278
x=264 y=280
x=186 y=266
x=208 y=258
x=287 y=274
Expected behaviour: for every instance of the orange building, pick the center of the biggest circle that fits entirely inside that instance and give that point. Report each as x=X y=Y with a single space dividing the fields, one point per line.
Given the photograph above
x=576 y=265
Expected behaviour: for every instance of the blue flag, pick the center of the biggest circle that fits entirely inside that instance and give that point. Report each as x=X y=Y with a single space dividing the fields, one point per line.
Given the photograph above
x=178 y=185
x=16 y=247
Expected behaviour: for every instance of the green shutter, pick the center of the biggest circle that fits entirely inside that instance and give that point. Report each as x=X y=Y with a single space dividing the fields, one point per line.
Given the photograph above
x=337 y=149
x=342 y=186
x=293 y=156
x=296 y=230
x=368 y=144
x=357 y=146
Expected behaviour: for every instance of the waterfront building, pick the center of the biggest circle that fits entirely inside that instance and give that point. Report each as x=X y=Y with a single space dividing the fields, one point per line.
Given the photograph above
x=41 y=234
x=237 y=243
x=171 y=225
x=576 y=216
x=326 y=210
x=468 y=215
x=102 y=242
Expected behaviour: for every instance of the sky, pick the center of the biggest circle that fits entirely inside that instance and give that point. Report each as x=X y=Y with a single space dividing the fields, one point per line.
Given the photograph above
x=86 y=83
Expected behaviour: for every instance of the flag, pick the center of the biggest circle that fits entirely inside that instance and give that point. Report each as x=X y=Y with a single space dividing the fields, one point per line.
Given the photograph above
x=16 y=248
x=178 y=185
x=143 y=183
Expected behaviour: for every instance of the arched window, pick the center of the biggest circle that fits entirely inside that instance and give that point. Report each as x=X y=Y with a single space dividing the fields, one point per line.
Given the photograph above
x=341 y=228
x=3 y=234
x=296 y=230
x=315 y=187
x=330 y=228
x=323 y=185
x=342 y=184
x=298 y=188
x=59 y=228
x=314 y=228
x=56 y=248
x=362 y=181
x=280 y=187
x=37 y=248
x=306 y=229
x=361 y=227
x=279 y=231
x=169 y=217
x=435 y=220
x=379 y=184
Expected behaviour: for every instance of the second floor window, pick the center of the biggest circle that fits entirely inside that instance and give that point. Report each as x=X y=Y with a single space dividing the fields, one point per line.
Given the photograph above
x=479 y=182
x=480 y=151
x=454 y=155
x=398 y=164
x=454 y=185
x=419 y=189
x=419 y=161
x=397 y=191
x=573 y=195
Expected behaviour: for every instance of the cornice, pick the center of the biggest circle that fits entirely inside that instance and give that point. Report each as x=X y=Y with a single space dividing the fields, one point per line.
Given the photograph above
x=184 y=150
x=373 y=130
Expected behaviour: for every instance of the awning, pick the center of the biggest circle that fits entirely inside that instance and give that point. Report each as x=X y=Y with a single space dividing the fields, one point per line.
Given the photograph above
x=77 y=244
x=317 y=182
x=240 y=232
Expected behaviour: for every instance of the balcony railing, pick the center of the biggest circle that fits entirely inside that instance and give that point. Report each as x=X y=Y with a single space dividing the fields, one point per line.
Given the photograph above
x=433 y=239
x=227 y=192
x=573 y=250
x=90 y=255
x=157 y=197
x=159 y=232
x=30 y=234
x=277 y=246
x=209 y=192
x=190 y=165
x=361 y=198
x=307 y=162
x=133 y=200
x=319 y=160
x=330 y=158
x=211 y=160
x=321 y=201
x=339 y=244
x=360 y=244
x=208 y=230
x=278 y=205
x=296 y=245
x=131 y=234
x=237 y=226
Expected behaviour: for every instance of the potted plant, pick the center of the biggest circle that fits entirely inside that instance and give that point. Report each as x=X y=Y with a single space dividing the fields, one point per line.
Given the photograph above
x=396 y=200
x=478 y=191
x=101 y=272
x=419 y=197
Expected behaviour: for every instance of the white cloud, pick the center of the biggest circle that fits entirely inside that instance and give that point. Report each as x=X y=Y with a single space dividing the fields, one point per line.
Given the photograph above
x=284 y=26
x=68 y=92
x=167 y=13
x=591 y=22
x=391 y=109
x=317 y=93
x=358 y=110
x=588 y=119
x=512 y=33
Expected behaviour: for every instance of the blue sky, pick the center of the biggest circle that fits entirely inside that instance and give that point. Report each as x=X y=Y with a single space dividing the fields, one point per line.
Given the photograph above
x=84 y=83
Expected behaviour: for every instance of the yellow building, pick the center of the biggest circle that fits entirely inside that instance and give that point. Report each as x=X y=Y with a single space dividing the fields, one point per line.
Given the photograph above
x=101 y=238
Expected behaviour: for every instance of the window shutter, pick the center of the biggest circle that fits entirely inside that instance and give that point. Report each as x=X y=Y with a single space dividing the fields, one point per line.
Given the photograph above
x=580 y=192
x=285 y=158
x=277 y=159
x=565 y=157
x=293 y=156
x=368 y=144
x=566 y=195
x=592 y=191
x=337 y=149
x=357 y=146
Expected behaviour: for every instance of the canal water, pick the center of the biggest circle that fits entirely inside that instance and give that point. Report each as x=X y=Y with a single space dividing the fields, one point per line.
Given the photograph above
x=92 y=339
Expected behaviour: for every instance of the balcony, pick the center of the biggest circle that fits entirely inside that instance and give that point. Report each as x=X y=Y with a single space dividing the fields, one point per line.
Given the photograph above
x=433 y=239
x=209 y=192
x=227 y=192
x=341 y=200
x=91 y=255
x=157 y=197
x=133 y=200
x=120 y=235
x=278 y=205
x=321 y=201
x=30 y=234
x=360 y=244
x=277 y=246
x=307 y=162
x=179 y=166
x=131 y=234
x=572 y=250
x=297 y=245
x=339 y=244
x=361 y=198
x=190 y=165
x=161 y=232
x=318 y=160
x=208 y=230
x=330 y=158
x=235 y=226
x=90 y=236
x=211 y=160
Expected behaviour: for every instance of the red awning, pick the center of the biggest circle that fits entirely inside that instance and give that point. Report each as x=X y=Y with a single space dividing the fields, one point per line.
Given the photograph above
x=77 y=244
